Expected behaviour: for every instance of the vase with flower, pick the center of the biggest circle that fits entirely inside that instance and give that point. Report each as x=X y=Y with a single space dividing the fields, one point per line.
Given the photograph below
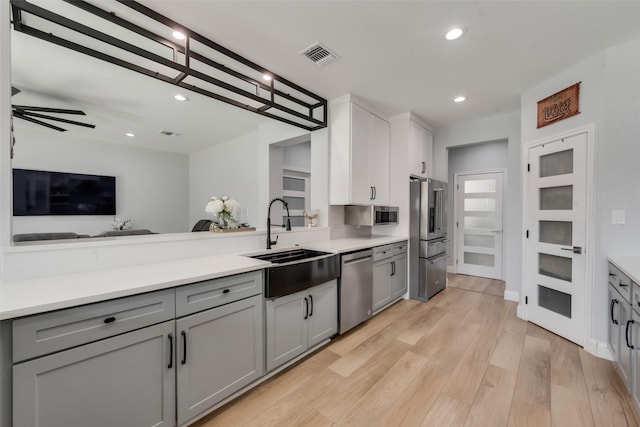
x=223 y=208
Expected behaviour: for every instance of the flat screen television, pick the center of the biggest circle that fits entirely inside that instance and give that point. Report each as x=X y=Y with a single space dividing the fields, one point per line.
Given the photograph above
x=60 y=193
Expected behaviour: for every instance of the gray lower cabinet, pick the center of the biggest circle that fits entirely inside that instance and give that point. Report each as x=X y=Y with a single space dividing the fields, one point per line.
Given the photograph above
x=219 y=351
x=389 y=274
x=125 y=381
x=399 y=278
x=300 y=321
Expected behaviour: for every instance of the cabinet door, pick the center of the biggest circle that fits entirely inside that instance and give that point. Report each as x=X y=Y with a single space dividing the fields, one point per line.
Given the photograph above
x=399 y=278
x=286 y=328
x=219 y=352
x=124 y=381
x=361 y=187
x=636 y=360
x=380 y=160
x=427 y=153
x=625 y=350
x=381 y=284
x=614 y=323
x=416 y=165
x=323 y=312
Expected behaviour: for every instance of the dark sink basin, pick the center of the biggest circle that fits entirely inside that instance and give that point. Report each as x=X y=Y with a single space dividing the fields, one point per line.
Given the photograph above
x=289 y=256
x=297 y=270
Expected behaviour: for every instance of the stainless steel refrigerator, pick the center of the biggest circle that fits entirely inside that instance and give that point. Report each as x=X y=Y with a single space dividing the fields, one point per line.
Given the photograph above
x=427 y=238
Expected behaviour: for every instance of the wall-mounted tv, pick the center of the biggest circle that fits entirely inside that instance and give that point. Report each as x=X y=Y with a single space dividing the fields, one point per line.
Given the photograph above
x=59 y=193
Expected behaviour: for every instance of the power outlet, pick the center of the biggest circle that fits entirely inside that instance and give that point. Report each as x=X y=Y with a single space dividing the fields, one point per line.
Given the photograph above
x=618 y=217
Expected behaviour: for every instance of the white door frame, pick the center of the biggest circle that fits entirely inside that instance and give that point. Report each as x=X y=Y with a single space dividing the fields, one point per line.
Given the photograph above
x=456 y=175
x=591 y=345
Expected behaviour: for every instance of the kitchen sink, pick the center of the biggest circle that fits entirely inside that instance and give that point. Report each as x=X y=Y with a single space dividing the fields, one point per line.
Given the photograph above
x=289 y=256
x=297 y=269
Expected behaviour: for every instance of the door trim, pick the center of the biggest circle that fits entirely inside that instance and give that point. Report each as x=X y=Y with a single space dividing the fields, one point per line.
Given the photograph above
x=505 y=209
x=590 y=344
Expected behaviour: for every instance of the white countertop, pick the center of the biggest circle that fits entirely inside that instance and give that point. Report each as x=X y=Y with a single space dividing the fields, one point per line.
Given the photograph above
x=350 y=244
x=628 y=265
x=37 y=295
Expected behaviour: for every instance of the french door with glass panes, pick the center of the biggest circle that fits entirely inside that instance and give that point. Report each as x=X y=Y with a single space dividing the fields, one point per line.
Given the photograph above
x=479 y=224
x=556 y=215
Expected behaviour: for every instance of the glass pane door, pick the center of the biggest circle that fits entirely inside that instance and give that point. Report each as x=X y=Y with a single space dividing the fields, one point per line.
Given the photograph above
x=479 y=224
x=556 y=218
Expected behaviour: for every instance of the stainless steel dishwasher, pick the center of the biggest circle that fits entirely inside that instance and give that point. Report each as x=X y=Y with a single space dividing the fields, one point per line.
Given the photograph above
x=356 y=289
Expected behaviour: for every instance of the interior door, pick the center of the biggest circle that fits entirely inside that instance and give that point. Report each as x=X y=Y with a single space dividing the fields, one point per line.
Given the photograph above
x=555 y=215
x=479 y=224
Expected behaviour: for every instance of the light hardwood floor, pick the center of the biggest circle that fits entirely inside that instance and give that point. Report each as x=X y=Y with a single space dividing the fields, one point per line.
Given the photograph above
x=462 y=359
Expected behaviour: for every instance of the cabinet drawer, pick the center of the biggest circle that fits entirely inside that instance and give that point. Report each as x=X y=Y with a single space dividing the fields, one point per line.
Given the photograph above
x=50 y=332
x=621 y=282
x=213 y=293
x=382 y=252
x=636 y=298
x=399 y=248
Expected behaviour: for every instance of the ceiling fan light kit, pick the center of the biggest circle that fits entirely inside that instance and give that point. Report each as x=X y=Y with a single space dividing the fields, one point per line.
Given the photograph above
x=194 y=63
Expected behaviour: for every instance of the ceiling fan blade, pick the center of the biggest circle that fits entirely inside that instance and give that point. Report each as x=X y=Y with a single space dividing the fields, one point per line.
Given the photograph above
x=49 y=110
x=29 y=119
x=15 y=90
x=57 y=119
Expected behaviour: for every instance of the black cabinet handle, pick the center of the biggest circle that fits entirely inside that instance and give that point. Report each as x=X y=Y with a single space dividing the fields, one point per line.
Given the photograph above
x=393 y=265
x=626 y=334
x=424 y=167
x=612 y=274
x=613 y=303
x=311 y=303
x=110 y=319
x=371 y=193
x=623 y=285
x=306 y=308
x=184 y=347
x=375 y=192
x=170 y=351
x=226 y=291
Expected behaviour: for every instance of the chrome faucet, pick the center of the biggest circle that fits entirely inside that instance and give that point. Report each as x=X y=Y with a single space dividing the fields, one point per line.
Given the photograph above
x=269 y=241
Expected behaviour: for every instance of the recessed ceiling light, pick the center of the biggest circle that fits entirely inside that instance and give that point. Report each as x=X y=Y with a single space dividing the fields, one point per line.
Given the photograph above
x=460 y=98
x=130 y=135
x=267 y=77
x=178 y=35
x=455 y=33
x=179 y=97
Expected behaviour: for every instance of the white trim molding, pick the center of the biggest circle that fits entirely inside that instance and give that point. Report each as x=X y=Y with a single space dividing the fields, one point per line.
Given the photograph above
x=599 y=348
x=452 y=269
x=512 y=296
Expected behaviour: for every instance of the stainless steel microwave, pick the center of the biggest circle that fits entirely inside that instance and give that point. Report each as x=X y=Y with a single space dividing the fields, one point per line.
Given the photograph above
x=370 y=215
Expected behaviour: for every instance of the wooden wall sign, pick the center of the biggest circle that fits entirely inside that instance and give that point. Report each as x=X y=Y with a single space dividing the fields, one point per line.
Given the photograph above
x=559 y=106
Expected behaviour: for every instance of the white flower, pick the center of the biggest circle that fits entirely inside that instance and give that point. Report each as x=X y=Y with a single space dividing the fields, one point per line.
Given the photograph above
x=231 y=205
x=224 y=198
x=214 y=207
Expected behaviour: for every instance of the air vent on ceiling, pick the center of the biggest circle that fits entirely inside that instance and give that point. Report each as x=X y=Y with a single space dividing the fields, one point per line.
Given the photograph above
x=169 y=133
x=320 y=54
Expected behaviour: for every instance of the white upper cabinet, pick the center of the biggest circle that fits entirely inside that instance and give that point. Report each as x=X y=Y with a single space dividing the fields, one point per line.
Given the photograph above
x=420 y=150
x=359 y=167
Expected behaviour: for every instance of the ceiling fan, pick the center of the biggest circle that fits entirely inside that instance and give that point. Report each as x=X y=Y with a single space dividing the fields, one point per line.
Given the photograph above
x=33 y=114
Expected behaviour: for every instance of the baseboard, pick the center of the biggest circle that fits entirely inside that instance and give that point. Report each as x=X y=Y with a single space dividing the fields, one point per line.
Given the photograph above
x=511 y=296
x=599 y=349
x=452 y=269
x=520 y=312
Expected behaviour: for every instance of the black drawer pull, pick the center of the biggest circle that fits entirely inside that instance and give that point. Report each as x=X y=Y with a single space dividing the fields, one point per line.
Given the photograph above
x=613 y=303
x=623 y=285
x=626 y=334
x=226 y=291
x=184 y=347
x=110 y=319
x=170 y=351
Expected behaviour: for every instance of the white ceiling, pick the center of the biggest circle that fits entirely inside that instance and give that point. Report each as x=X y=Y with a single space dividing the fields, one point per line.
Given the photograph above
x=393 y=55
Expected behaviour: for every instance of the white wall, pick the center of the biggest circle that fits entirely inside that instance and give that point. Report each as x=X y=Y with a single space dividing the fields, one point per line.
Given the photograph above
x=500 y=127
x=472 y=158
x=297 y=157
x=151 y=185
x=228 y=169
x=609 y=99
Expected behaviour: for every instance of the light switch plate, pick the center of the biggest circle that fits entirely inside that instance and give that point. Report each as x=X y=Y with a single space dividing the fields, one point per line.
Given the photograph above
x=618 y=217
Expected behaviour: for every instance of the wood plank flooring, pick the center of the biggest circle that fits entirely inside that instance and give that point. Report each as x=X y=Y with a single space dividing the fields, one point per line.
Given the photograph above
x=462 y=359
